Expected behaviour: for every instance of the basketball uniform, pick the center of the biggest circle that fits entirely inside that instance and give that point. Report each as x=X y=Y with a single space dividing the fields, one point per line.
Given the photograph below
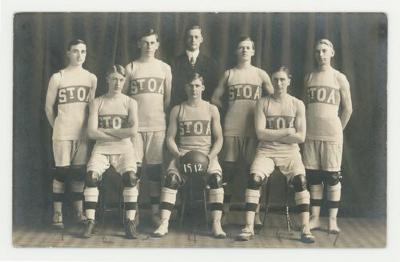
x=245 y=88
x=113 y=114
x=324 y=138
x=74 y=92
x=269 y=154
x=194 y=133
x=146 y=84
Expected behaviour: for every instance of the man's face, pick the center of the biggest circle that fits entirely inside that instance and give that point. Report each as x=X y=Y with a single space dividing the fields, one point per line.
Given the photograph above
x=77 y=54
x=194 y=39
x=194 y=89
x=280 y=82
x=323 y=54
x=148 y=45
x=115 y=82
x=245 y=50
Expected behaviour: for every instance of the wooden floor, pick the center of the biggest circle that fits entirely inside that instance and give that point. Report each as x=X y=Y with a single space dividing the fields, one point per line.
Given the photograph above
x=356 y=233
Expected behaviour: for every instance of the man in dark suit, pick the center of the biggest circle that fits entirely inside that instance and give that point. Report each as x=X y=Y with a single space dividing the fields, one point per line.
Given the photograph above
x=192 y=60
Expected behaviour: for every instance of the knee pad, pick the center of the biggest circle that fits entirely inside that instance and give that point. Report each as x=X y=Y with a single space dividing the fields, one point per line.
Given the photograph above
x=314 y=177
x=154 y=172
x=60 y=174
x=333 y=178
x=228 y=170
x=299 y=183
x=172 y=181
x=215 y=181
x=77 y=174
x=130 y=179
x=255 y=181
x=92 y=179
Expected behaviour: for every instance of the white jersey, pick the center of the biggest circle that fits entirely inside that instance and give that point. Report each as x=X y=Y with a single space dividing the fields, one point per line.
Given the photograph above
x=323 y=101
x=113 y=113
x=74 y=91
x=279 y=115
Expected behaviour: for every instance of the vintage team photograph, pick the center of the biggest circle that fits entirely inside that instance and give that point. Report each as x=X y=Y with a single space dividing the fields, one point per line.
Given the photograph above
x=199 y=130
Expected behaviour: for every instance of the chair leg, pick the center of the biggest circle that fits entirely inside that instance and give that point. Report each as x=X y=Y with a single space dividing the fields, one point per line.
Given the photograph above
x=205 y=207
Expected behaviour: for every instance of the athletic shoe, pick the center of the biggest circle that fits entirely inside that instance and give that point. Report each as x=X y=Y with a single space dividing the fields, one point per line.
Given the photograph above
x=307 y=238
x=162 y=230
x=130 y=229
x=246 y=234
x=88 y=228
x=57 y=221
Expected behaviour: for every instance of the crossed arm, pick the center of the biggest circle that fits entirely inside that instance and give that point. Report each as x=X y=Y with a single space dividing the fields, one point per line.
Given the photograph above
x=283 y=135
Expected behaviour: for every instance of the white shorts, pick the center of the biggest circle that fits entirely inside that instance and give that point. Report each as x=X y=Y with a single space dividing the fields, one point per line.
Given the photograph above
x=70 y=152
x=236 y=148
x=323 y=155
x=122 y=163
x=149 y=147
x=289 y=166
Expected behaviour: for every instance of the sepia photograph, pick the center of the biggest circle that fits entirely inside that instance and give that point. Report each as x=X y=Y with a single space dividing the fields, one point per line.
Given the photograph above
x=199 y=129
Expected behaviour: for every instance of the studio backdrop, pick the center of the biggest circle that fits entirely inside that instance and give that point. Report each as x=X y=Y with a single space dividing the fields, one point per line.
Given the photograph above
x=360 y=40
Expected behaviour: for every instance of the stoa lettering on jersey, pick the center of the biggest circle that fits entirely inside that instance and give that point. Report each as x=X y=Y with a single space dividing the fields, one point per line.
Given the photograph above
x=73 y=94
x=194 y=128
x=113 y=121
x=146 y=85
x=279 y=122
x=323 y=94
x=244 y=92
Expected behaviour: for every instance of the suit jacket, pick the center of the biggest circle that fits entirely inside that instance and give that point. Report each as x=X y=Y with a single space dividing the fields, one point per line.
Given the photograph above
x=181 y=70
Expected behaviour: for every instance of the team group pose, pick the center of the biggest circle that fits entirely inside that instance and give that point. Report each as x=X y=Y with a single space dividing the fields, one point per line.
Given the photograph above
x=263 y=126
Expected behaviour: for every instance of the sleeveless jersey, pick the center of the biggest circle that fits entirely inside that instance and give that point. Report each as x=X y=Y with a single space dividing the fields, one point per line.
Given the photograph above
x=323 y=100
x=146 y=84
x=244 y=86
x=194 y=127
x=113 y=114
x=279 y=115
x=73 y=95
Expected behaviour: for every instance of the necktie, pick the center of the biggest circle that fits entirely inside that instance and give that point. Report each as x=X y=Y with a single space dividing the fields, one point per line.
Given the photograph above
x=192 y=61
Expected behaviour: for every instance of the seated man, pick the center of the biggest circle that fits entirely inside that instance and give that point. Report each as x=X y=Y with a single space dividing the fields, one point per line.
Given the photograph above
x=280 y=125
x=193 y=122
x=113 y=121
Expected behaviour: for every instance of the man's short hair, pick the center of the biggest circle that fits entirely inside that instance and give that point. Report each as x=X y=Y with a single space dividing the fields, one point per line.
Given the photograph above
x=116 y=69
x=194 y=76
x=75 y=42
x=192 y=27
x=245 y=38
x=283 y=69
x=325 y=42
x=148 y=32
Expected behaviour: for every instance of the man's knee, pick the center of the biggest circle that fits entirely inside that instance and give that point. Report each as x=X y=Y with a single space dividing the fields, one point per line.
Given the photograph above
x=130 y=179
x=255 y=181
x=78 y=173
x=172 y=181
x=92 y=179
x=215 y=181
x=61 y=173
x=154 y=172
x=229 y=170
x=299 y=183
x=333 y=178
x=314 y=177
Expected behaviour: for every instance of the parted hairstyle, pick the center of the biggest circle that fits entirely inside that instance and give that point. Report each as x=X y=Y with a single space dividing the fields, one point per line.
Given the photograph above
x=116 y=69
x=283 y=69
x=194 y=76
x=75 y=42
x=148 y=32
x=245 y=38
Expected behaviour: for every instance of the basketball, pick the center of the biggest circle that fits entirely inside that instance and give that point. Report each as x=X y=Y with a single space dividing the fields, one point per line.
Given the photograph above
x=194 y=163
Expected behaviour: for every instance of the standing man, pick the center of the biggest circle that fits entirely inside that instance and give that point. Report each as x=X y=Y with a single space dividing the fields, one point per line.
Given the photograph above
x=148 y=81
x=244 y=83
x=193 y=60
x=195 y=124
x=113 y=121
x=69 y=92
x=280 y=127
x=328 y=111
